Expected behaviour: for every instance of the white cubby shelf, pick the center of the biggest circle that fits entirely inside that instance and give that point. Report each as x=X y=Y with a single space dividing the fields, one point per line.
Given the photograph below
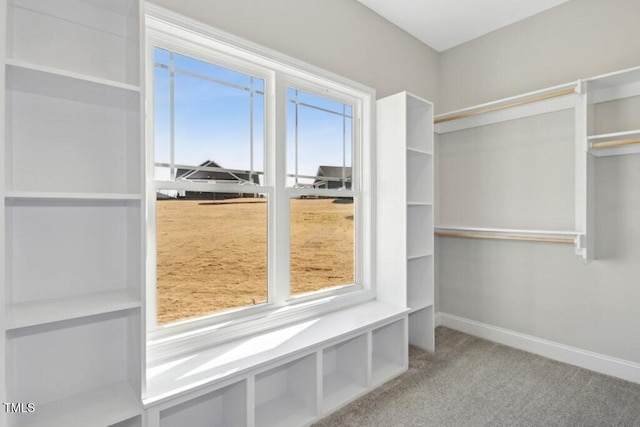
x=286 y=394
x=97 y=123
x=420 y=336
x=226 y=406
x=420 y=288
x=92 y=387
x=420 y=238
x=389 y=356
x=97 y=38
x=70 y=249
x=344 y=372
x=290 y=376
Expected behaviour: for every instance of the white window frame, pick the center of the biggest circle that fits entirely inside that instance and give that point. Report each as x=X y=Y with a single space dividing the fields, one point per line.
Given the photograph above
x=170 y=31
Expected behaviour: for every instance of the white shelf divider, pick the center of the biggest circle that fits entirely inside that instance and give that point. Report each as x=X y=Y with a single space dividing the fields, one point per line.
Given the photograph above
x=44 y=195
x=18 y=66
x=101 y=407
x=48 y=81
x=49 y=311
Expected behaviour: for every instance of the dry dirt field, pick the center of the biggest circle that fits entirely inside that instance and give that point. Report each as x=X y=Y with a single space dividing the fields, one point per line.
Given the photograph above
x=212 y=254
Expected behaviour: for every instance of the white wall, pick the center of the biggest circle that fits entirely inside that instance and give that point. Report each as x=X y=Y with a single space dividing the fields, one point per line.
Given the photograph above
x=578 y=39
x=341 y=36
x=541 y=289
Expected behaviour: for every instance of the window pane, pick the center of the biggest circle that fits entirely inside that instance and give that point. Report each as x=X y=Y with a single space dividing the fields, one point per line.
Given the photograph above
x=322 y=244
x=196 y=66
x=162 y=121
x=211 y=253
x=319 y=142
x=209 y=122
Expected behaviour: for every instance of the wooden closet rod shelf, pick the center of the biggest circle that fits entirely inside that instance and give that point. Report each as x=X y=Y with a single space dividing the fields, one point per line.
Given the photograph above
x=607 y=144
x=469 y=235
x=537 y=98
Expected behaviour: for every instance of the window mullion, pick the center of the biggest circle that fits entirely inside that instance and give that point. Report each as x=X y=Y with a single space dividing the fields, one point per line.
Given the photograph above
x=172 y=116
x=279 y=210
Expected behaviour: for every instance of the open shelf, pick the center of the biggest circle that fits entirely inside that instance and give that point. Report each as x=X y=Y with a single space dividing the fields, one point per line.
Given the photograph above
x=286 y=395
x=389 y=352
x=81 y=196
x=616 y=79
x=77 y=372
x=66 y=34
x=344 y=372
x=224 y=407
x=420 y=282
x=131 y=422
x=420 y=230
x=98 y=124
x=614 y=113
x=419 y=175
x=46 y=74
x=419 y=124
x=74 y=250
x=115 y=406
x=421 y=327
x=614 y=116
x=55 y=310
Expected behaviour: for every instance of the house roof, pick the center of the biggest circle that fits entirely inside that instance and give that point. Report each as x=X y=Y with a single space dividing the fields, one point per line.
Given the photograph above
x=205 y=175
x=334 y=171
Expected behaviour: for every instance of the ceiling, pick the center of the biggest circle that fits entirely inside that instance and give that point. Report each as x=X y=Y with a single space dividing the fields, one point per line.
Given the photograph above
x=443 y=24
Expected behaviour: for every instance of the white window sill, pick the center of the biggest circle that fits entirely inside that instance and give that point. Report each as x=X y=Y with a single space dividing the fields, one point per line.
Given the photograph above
x=172 y=378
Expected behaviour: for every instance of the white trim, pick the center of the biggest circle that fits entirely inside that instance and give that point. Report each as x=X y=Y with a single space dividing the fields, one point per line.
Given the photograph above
x=190 y=29
x=438 y=320
x=624 y=369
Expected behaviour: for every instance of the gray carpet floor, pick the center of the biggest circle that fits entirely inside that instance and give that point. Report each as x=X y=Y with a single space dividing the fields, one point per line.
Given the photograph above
x=469 y=381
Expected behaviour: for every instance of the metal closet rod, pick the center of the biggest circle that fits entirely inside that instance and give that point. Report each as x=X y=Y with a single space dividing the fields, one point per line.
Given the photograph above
x=617 y=143
x=550 y=95
x=469 y=235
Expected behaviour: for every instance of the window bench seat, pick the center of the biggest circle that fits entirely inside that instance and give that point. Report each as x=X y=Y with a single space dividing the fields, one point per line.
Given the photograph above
x=309 y=368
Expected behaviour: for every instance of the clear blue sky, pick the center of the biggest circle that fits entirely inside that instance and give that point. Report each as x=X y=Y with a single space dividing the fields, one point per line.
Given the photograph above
x=212 y=121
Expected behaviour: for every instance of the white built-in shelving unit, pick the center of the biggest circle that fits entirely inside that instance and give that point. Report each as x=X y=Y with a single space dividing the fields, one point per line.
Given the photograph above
x=291 y=376
x=405 y=242
x=71 y=211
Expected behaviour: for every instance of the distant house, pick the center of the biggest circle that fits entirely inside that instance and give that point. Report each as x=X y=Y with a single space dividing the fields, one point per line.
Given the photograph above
x=220 y=177
x=333 y=172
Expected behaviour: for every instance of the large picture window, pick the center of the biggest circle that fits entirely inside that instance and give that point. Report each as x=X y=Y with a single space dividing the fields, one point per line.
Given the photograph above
x=258 y=186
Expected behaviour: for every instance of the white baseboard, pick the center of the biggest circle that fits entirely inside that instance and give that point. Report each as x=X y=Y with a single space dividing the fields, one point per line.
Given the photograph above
x=603 y=364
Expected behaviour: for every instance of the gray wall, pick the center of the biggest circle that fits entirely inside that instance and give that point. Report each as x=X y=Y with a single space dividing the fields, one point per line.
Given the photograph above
x=578 y=39
x=541 y=289
x=341 y=36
